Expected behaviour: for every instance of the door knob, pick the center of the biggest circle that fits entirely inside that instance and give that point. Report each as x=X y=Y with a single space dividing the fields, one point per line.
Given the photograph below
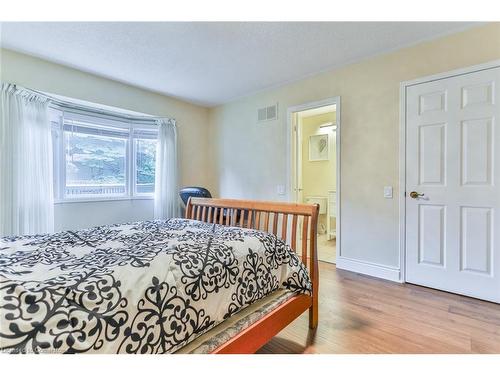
x=416 y=195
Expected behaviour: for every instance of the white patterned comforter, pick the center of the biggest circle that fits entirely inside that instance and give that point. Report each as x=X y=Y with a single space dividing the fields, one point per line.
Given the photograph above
x=146 y=287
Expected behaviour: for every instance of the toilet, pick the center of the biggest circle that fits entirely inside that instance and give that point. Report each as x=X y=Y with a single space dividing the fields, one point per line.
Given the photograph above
x=322 y=201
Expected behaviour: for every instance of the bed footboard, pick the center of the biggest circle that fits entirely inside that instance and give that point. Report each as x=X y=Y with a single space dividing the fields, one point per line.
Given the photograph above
x=291 y=222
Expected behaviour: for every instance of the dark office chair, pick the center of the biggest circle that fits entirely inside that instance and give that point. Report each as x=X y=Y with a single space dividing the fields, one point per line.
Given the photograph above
x=193 y=191
x=199 y=192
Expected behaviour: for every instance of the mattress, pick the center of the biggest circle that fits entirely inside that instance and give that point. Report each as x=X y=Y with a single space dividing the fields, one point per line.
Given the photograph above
x=230 y=327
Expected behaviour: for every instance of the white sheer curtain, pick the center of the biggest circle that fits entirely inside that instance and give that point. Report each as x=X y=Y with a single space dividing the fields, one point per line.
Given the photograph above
x=166 y=187
x=26 y=192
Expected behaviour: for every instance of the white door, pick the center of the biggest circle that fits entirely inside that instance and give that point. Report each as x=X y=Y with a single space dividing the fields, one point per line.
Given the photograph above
x=453 y=163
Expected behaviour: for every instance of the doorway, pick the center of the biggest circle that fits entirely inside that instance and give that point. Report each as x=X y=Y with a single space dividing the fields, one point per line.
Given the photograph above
x=314 y=166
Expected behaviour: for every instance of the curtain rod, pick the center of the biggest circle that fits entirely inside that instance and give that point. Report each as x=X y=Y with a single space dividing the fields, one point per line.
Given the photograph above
x=69 y=104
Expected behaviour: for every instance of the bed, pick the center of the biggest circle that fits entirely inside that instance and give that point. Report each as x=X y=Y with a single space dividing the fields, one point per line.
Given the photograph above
x=224 y=279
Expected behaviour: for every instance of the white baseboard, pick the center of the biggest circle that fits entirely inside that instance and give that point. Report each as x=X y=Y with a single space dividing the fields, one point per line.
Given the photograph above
x=370 y=269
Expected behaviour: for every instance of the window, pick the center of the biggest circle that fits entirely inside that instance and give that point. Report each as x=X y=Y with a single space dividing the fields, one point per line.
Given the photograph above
x=145 y=165
x=95 y=164
x=100 y=158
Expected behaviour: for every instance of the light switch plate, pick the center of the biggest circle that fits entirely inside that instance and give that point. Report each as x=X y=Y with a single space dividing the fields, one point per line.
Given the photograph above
x=388 y=192
x=280 y=189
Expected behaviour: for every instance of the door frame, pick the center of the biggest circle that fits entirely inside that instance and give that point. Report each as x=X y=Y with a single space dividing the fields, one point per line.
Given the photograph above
x=335 y=100
x=402 y=147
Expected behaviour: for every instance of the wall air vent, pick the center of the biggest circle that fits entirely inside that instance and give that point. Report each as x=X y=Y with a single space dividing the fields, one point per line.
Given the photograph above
x=267 y=113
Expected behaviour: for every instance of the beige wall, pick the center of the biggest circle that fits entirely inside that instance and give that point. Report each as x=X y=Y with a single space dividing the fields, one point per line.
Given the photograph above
x=192 y=121
x=250 y=159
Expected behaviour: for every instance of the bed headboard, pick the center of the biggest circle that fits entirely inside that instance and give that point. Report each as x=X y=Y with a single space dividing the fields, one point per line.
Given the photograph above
x=281 y=219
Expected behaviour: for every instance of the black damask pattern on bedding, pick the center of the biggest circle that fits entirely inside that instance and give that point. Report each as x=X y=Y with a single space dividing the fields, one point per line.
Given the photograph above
x=146 y=287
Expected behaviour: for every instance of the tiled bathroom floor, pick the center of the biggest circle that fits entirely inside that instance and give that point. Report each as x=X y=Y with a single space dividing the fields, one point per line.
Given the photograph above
x=326 y=249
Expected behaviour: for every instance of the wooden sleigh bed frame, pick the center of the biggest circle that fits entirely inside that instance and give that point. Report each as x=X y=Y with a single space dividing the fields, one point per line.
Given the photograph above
x=269 y=217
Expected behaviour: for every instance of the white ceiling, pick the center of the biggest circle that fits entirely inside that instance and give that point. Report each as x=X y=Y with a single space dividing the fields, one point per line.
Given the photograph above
x=211 y=63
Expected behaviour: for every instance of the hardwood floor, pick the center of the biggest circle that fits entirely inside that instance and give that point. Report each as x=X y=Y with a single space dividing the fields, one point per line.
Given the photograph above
x=361 y=314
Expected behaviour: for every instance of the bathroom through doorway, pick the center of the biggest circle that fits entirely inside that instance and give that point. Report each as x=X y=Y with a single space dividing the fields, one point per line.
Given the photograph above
x=314 y=161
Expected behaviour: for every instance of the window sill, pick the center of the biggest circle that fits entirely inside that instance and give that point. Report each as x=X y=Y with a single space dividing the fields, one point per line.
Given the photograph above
x=102 y=199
